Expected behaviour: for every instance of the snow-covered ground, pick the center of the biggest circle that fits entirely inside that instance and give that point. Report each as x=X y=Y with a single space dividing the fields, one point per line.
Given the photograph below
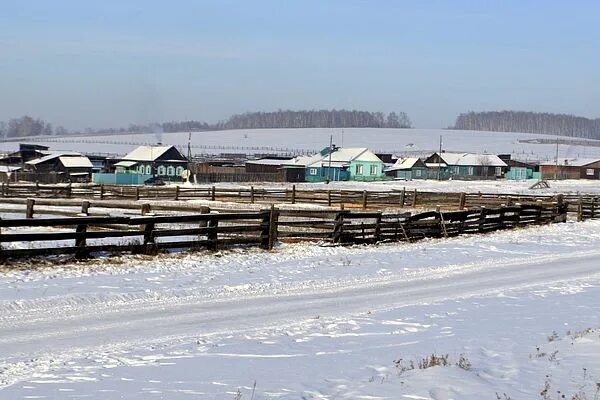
x=399 y=141
x=519 y=308
x=572 y=186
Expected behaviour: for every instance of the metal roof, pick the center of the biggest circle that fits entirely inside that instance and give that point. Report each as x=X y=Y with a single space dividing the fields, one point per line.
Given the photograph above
x=76 y=162
x=147 y=153
x=470 y=159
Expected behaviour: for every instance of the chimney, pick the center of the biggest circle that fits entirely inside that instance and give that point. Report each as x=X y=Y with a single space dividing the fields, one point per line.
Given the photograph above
x=566 y=162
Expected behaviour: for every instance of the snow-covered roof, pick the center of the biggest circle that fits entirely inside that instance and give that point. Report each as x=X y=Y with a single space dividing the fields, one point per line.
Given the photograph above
x=76 y=162
x=271 y=161
x=147 y=153
x=8 y=168
x=470 y=159
x=345 y=156
x=125 y=164
x=576 y=162
x=52 y=156
x=404 y=163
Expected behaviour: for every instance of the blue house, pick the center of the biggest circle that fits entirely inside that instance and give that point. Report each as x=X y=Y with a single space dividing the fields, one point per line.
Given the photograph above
x=343 y=164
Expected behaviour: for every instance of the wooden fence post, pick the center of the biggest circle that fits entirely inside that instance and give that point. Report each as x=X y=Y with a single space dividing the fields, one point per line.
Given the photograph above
x=80 y=241
x=29 y=209
x=402 y=197
x=593 y=210
x=251 y=194
x=329 y=198
x=149 y=243
x=462 y=200
x=2 y=191
x=85 y=206
x=364 y=199
x=213 y=236
x=265 y=230
x=293 y=194
x=378 y=228
x=69 y=191
x=101 y=191
x=414 y=199
x=177 y=192
x=481 y=221
x=146 y=209
x=338 y=227
x=580 y=209
x=213 y=194
x=273 y=226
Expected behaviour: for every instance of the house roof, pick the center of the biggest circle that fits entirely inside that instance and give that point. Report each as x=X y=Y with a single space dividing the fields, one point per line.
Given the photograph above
x=8 y=168
x=76 y=162
x=51 y=156
x=147 y=153
x=125 y=164
x=344 y=156
x=576 y=162
x=271 y=161
x=470 y=159
x=404 y=163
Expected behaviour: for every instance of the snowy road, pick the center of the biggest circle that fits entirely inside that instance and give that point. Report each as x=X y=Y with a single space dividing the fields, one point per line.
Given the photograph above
x=152 y=321
x=52 y=320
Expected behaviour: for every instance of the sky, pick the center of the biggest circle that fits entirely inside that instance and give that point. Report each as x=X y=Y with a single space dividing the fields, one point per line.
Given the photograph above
x=110 y=63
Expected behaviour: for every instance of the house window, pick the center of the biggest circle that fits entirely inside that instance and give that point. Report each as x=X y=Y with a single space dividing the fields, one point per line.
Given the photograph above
x=148 y=170
x=179 y=171
x=373 y=170
x=170 y=170
x=589 y=172
x=470 y=171
x=418 y=172
x=141 y=169
x=161 y=170
x=312 y=171
x=498 y=171
x=359 y=169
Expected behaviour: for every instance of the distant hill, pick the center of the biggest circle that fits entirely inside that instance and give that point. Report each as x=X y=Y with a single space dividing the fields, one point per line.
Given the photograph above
x=28 y=127
x=530 y=122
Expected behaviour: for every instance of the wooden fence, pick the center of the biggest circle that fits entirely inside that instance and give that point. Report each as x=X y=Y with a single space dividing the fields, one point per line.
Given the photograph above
x=219 y=230
x=196 y=231
x=583 y=207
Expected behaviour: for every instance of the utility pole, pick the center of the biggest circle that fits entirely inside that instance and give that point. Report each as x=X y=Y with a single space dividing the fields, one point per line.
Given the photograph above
x=330 y=151
x=439 y=164
x=189 y=152
x=556 y=162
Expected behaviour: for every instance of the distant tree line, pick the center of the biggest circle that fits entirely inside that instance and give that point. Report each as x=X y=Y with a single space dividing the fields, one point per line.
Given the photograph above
x=530 y=122
x=317 y=119
x=28 y=126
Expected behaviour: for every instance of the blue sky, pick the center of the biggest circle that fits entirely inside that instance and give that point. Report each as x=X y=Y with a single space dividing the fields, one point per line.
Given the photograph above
x=109 y=63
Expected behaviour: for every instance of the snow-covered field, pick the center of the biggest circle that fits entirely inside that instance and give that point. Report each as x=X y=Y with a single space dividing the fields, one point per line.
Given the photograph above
x=518 y=310
x=399 y=141
x=573 y=186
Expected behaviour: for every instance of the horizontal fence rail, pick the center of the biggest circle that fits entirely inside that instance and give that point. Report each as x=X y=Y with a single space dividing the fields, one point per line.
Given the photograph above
x=84 y=235
x=582 y=206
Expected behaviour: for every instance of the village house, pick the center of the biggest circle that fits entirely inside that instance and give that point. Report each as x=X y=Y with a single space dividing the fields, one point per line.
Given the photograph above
x=407 y=169
x=144 y=163
x=467 y=166
x=343 y=164
x=58 y=167
x=583 y=168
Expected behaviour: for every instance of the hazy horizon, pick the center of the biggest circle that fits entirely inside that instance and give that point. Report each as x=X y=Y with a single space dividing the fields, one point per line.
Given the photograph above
x=109 y=64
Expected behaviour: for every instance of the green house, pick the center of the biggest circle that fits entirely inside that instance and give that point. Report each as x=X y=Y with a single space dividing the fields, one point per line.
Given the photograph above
x=408 y=169
x=344 y=164
x=145 y=162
